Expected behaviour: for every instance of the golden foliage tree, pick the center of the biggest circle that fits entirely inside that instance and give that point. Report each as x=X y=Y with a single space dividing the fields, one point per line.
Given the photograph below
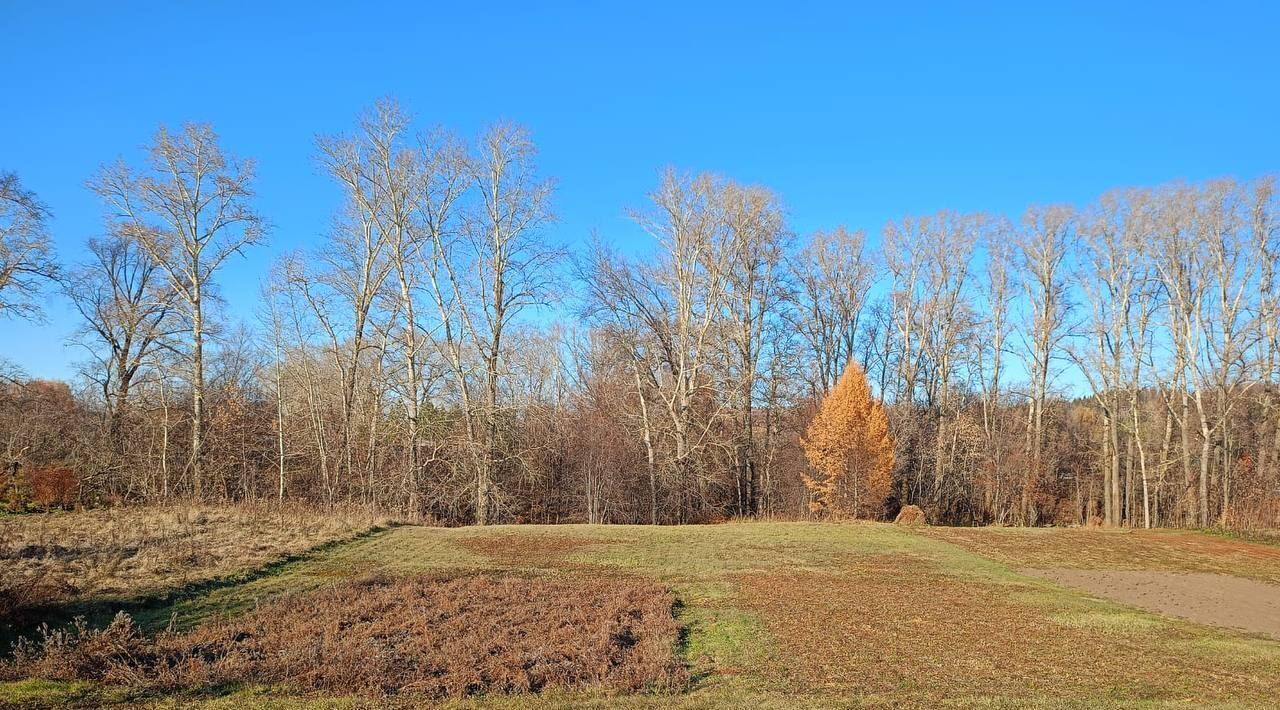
x=850 y=449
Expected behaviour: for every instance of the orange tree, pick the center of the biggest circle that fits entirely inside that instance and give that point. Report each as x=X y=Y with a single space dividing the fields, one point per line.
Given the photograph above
x=850 y=450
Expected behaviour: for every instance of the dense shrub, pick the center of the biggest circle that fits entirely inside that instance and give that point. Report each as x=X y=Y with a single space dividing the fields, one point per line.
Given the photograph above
x=52 y=486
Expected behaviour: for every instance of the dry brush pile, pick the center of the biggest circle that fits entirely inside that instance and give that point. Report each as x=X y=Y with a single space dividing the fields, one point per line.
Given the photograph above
x=436 y=638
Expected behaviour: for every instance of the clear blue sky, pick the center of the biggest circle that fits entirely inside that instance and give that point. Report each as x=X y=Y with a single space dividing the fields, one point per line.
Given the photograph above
x=855 y=115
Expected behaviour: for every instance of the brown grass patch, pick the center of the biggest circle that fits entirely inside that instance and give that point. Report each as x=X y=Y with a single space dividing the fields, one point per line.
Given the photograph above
x=50 y=558
x=1079 y=548
x=435 y=637
x=894 y=626
x=526 y=550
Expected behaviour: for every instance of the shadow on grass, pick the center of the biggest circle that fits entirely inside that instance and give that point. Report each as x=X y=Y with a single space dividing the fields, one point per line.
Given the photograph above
x=35 y=693
x=99 y=612
x=684 y=646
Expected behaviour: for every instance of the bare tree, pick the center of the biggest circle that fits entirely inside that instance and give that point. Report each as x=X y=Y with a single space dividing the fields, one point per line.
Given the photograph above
x=26 y=253
x=948 y=321
x=929 y=261
x=427 y=222
x=1228 y=327
x=757 y=237
x=1264 y=226
x=190 y=210
x=989 y=353
x=904 y=259
x=1178 y=258
x=1043 y=246
x=673 y=305
x=127 y=312
x=832 y=275
x=1111 y=277
x=416 y=364
x=496 y=267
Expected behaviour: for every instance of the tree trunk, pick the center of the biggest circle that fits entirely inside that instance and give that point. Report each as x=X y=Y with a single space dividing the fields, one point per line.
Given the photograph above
x=197 y=391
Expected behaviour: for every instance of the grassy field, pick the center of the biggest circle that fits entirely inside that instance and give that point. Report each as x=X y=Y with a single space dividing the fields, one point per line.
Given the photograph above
x=781 y=615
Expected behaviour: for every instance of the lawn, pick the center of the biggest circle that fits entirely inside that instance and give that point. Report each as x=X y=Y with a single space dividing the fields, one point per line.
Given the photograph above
x=769 y=614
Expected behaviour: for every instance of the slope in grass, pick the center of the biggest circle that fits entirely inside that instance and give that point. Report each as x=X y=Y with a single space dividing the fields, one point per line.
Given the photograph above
x=70 y=559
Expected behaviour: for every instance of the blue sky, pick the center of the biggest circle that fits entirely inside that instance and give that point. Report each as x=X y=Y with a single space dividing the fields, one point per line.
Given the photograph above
x=856 y=115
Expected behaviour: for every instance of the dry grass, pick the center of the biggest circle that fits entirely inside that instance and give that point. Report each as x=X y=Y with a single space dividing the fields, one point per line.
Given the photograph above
x=1080 y=548
x=899 y=628
x=436 y=638
x=526 y=551
x=52 y=558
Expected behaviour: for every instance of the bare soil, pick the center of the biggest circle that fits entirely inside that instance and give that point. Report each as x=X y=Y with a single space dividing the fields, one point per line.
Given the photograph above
x=1203 y=597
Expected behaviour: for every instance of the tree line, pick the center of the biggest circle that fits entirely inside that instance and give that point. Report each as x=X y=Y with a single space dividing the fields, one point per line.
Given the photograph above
x=441 y=355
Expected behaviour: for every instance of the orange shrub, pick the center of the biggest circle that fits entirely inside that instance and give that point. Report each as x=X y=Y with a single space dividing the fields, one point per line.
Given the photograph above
x=52 y=485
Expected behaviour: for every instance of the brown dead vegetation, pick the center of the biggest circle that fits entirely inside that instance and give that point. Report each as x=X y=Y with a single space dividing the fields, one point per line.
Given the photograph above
x=50 y=558
x=525 y=550
x=891 y=625
x=1083 y=548
x=436 y=637
x=910 y=515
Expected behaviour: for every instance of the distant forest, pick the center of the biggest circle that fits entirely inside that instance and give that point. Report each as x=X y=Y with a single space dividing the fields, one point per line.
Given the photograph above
x=440 y=355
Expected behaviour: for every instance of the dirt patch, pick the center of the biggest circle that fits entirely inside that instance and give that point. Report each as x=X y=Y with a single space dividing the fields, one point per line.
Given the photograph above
x=434 y=637
x=1207 y=598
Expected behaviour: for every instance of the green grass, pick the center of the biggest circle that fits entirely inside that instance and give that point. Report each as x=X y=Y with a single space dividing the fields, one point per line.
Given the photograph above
x=744 y=653
x=1109 y=621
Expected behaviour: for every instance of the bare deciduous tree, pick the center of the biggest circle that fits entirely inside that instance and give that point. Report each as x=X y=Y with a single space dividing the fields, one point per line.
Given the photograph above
x=832 y=275
x=26 y=253
x=498 y=266
x=127 y=311
x=1043 y=246
x=190 y=210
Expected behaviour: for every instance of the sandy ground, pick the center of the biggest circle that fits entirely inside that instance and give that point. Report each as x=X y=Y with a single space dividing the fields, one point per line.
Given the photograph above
x=1207 y=598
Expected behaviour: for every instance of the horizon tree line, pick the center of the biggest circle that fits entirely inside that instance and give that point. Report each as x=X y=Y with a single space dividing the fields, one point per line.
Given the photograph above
x=439 y=354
